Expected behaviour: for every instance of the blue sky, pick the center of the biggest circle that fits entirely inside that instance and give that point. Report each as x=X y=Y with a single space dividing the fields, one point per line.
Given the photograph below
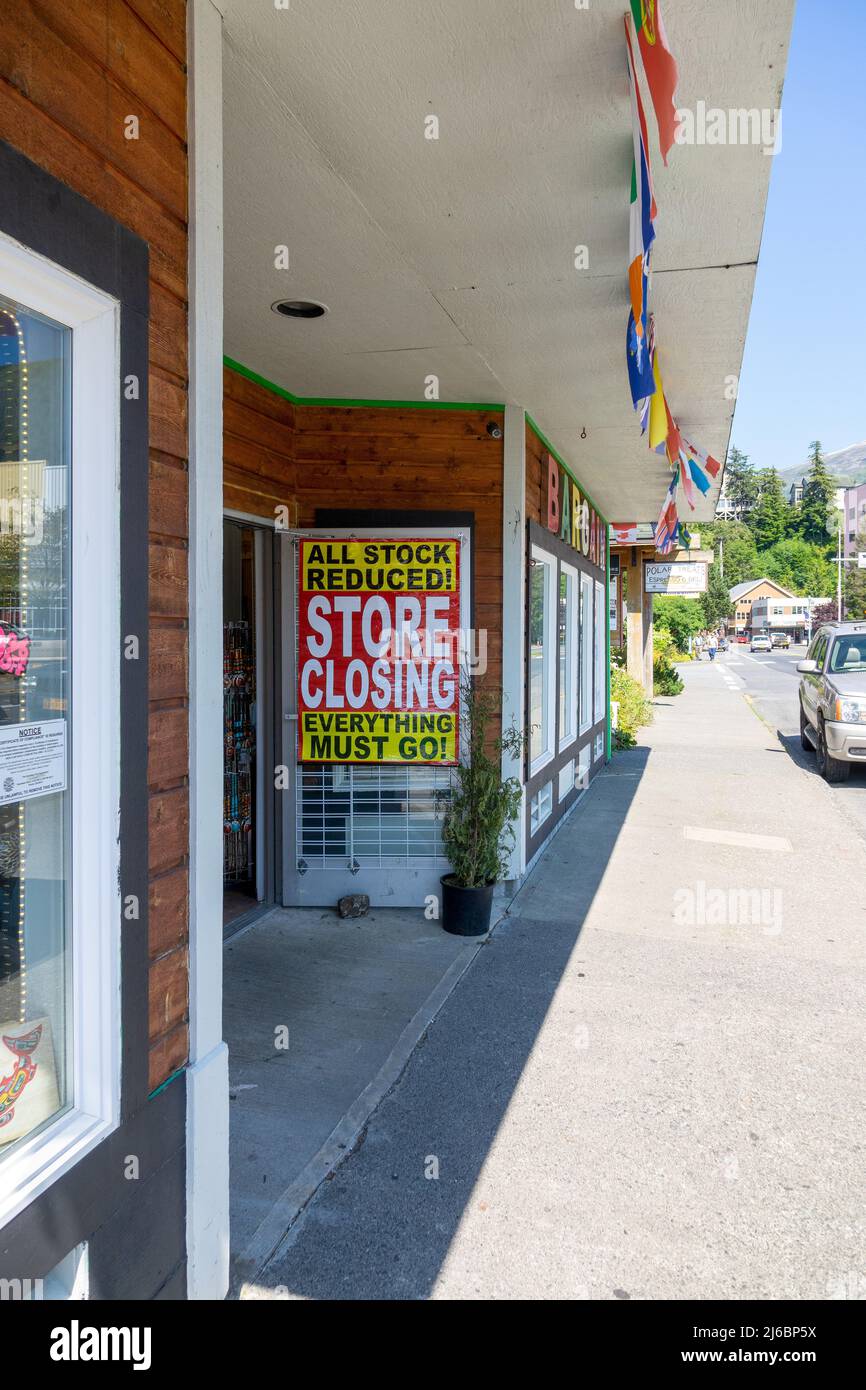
x=804 y=371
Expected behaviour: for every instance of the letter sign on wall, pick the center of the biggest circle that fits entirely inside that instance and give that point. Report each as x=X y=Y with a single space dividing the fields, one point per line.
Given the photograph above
x=571 y=517
x=378 y=651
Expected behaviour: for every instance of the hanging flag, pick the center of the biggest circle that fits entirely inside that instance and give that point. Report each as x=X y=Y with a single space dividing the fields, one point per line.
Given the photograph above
x=640 y=371
x=660 y=68
x=699 y=477
x=668 y=522
x=712 y=465
x=673 y=441
x=658 y=415
x=688 y=487
x=642 y=208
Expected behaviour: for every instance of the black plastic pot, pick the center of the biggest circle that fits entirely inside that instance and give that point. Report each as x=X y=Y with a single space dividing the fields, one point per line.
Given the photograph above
x=466 y=911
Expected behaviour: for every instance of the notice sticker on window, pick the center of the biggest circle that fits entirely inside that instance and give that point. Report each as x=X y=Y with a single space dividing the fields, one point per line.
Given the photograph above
x=32 y=760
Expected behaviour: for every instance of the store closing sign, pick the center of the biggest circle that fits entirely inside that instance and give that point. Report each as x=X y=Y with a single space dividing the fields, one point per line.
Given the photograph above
x=378 y=650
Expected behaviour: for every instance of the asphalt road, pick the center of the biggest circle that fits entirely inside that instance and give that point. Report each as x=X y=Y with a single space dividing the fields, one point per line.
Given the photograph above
x=769 y=681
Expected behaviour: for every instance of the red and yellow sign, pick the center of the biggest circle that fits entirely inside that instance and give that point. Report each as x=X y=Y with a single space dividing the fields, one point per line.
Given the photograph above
x=378 y=651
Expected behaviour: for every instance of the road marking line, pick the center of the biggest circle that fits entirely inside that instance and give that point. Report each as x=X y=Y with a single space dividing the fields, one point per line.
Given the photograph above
x=740 y=838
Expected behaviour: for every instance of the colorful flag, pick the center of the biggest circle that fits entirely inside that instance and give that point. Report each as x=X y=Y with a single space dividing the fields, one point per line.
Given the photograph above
x=660 y=68
x=712 y=465
x=642 y=209
x=699 y=477
x=668 y=522
x=640 y=371
x=673 y=441
x=658 y=414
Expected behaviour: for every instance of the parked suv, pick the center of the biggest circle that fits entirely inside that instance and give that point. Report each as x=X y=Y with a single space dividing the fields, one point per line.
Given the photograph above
x=833 y=698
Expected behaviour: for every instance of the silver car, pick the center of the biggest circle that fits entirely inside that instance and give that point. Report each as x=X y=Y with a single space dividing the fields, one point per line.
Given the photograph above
x=833 y=698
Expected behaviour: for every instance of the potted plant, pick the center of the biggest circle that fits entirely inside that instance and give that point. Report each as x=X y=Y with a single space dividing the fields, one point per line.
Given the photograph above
x=478 y=825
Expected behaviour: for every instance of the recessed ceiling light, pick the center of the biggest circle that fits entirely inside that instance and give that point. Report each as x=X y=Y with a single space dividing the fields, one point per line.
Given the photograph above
x=299 y=308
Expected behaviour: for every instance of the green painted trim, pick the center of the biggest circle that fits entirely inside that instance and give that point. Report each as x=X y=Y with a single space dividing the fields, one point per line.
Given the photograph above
x=607 y=631
x=161 y=1087
x=346 y=403
x=562 y=463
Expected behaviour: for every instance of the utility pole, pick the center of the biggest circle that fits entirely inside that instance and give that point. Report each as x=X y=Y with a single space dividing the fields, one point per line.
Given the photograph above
x=839 y=573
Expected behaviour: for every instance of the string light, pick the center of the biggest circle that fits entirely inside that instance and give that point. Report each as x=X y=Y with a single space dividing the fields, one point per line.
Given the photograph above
x=24 y=449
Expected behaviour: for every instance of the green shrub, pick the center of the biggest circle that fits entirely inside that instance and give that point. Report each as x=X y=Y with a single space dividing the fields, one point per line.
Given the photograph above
x=634 y=707
x=480 y=808
x=665 y=646
x=666 y=680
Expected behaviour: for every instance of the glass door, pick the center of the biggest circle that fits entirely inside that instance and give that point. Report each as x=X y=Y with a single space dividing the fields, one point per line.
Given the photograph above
x=352 y=828
x=246 y=813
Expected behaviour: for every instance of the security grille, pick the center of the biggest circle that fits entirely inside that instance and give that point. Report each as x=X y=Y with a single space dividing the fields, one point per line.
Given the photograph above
x=369 y=817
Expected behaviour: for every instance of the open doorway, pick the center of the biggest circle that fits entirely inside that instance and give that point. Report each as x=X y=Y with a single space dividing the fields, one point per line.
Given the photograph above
x=247 y=722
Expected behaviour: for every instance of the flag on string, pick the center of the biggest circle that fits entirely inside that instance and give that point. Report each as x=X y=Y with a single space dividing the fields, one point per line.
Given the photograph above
x=673 y=442
x=660 y=68
x=688 y=487
x=699 y=477
x=712 y=465
x=658 y=413
x=667 y=525
x=642 y=208
x=640 y=371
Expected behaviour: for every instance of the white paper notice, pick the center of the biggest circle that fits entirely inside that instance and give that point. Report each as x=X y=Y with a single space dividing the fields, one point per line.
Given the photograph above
x=32 y=760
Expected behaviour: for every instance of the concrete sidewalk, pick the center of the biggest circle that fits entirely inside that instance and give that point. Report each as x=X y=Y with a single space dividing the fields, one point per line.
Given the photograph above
x=643 y=1087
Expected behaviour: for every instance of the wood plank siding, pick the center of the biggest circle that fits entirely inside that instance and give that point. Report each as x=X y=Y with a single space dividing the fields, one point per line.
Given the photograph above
x=71 y=76
x=378 y=457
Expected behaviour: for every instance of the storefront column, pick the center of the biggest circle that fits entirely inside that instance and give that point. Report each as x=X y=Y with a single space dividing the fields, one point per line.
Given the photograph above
x=514 y=608
x=634 y=604
x=207 y=1140
x=648 y=646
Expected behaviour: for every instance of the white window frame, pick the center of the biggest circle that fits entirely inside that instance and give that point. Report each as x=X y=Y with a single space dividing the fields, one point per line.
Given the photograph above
x=599 y=651
x=550 y=647
x=93 y=956
x=586 y=638
x=572 y=631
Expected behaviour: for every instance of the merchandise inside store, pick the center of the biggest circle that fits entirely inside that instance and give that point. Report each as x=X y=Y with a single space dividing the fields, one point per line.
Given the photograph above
x=243 y=885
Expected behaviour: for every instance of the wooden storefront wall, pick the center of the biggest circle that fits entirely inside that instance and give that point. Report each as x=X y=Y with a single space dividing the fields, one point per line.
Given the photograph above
x=305 y=458
x=71 y=76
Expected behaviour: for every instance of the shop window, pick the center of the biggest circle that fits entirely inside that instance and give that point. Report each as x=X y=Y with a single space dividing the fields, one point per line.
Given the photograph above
x=34 y=719
x=566 y=781
x=59 y=721
x=586 y=650
x=599 y=746
x=568 y=648
x=600 y=655
x=584 y=760
x=542 y=686
x=540 y=807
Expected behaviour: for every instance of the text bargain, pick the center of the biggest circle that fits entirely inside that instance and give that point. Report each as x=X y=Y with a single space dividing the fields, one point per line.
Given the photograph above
x=378 y=648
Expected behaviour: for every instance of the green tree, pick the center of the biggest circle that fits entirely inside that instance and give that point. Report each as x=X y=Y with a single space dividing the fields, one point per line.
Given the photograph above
x=794 y=520
x=854 y=584
x=741 y=483
x=769 y=517
x=681 y=617
x=799 y=566
x=735 y=540
x=819 y=491
x=716 y=602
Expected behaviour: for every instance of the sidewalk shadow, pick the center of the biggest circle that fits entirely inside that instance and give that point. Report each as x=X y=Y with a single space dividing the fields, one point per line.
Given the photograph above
x=381 y=1227
x=808 y=761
